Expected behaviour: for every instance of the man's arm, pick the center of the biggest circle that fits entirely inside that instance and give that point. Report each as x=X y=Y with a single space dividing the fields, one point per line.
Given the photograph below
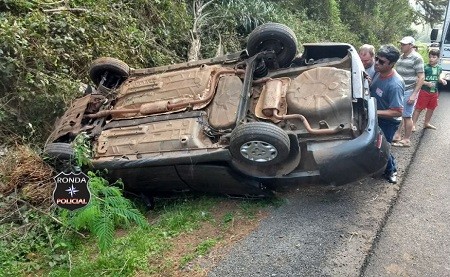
x=441 y=78
x=390 y=113
x=419 y=82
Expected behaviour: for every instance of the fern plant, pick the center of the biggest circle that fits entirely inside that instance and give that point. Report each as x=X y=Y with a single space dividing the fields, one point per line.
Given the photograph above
x=108 y=208
x=82 y=150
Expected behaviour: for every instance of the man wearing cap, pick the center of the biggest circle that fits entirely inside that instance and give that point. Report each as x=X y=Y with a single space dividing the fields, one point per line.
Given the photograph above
x=410 y=66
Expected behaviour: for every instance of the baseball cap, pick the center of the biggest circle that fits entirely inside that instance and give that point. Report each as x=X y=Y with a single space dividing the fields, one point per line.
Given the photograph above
x=408 y=40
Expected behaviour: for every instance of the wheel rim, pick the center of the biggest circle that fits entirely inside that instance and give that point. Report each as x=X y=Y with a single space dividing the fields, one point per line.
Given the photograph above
x=258 y=151
x=272 y=45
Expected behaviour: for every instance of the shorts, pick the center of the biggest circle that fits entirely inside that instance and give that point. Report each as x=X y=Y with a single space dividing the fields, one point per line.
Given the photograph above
x=427 y=100
x=408 y=109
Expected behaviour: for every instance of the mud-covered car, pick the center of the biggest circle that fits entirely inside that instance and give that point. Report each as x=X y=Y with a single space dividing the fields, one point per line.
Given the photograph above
x=245 y=123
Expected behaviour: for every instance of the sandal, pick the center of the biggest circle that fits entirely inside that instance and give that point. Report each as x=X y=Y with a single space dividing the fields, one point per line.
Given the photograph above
x=401 y=143
x=429 y=126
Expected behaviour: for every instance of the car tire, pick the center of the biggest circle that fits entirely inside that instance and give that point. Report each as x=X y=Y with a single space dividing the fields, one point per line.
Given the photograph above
x=117 y=71
x=273 y=36
x=259 y=143
x=59 y=150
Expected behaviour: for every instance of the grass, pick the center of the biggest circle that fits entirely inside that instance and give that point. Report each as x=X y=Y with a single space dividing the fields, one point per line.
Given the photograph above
x=134 y=249
x=36 y=239
x=202 y=248
x=181 y=231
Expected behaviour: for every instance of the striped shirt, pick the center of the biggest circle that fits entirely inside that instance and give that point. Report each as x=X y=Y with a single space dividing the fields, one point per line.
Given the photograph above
x=408 y=67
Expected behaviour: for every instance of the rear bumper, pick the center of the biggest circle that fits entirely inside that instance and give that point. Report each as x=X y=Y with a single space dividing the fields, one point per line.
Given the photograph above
x=355 y=159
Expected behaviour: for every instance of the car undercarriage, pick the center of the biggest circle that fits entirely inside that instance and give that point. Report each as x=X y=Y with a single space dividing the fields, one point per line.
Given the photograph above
x=243 y=123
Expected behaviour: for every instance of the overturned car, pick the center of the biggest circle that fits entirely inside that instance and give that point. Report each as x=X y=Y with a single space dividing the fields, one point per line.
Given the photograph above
x=245 y=123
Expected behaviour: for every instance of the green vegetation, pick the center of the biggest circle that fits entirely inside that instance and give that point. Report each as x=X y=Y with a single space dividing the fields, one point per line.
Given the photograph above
x=136 y=249
x=47 y=46
x=29 y=242
x=107 y=210
x=39 y=239
x=45 y=51
x=423 y=51
x=41 y=246
x=203 y=248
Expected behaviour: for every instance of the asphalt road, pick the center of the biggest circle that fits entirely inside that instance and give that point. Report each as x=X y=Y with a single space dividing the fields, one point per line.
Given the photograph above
x=357 y=229
x=416 y=238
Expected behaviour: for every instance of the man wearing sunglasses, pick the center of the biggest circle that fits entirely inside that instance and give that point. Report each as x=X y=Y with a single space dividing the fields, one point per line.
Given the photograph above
x=411 y=67
x=388 y=88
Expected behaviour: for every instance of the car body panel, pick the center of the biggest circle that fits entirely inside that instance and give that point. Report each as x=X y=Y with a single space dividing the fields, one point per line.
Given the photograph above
x=172 y=87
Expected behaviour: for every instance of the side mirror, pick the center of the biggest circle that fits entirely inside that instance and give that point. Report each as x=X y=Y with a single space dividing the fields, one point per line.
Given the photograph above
x=434 y=35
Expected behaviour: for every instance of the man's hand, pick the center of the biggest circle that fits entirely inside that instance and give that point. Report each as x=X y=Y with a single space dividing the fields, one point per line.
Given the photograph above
x=429 y=84
x=367 y=77
x=411 y=99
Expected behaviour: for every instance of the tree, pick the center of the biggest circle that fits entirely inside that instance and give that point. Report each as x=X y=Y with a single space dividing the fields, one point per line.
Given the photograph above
x=378 y=22
x=200 y=20
x=323 y=10
x=46 y=48
x=431 y=11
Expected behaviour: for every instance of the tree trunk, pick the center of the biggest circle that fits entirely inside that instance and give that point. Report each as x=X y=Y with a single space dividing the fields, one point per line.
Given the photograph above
x=194 y=49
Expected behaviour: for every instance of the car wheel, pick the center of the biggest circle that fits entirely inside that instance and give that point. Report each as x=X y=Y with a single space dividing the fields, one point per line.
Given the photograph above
x=259 y=143
x=276 y=37
x=59 y=150
x=114 y=70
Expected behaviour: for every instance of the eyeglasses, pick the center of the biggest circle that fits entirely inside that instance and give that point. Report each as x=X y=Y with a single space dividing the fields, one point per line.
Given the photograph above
x=380 y=61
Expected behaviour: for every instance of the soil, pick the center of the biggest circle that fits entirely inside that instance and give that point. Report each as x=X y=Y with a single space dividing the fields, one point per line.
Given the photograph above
x=227 y=234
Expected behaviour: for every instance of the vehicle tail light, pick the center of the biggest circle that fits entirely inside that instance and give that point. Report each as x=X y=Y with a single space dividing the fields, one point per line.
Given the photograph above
x=379 y=140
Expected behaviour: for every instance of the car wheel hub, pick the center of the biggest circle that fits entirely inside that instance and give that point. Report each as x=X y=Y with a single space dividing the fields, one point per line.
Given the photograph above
x=259 y=151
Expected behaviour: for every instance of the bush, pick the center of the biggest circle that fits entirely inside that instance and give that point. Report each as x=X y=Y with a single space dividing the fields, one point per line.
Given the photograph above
x=46 y=48
x=45 y=53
